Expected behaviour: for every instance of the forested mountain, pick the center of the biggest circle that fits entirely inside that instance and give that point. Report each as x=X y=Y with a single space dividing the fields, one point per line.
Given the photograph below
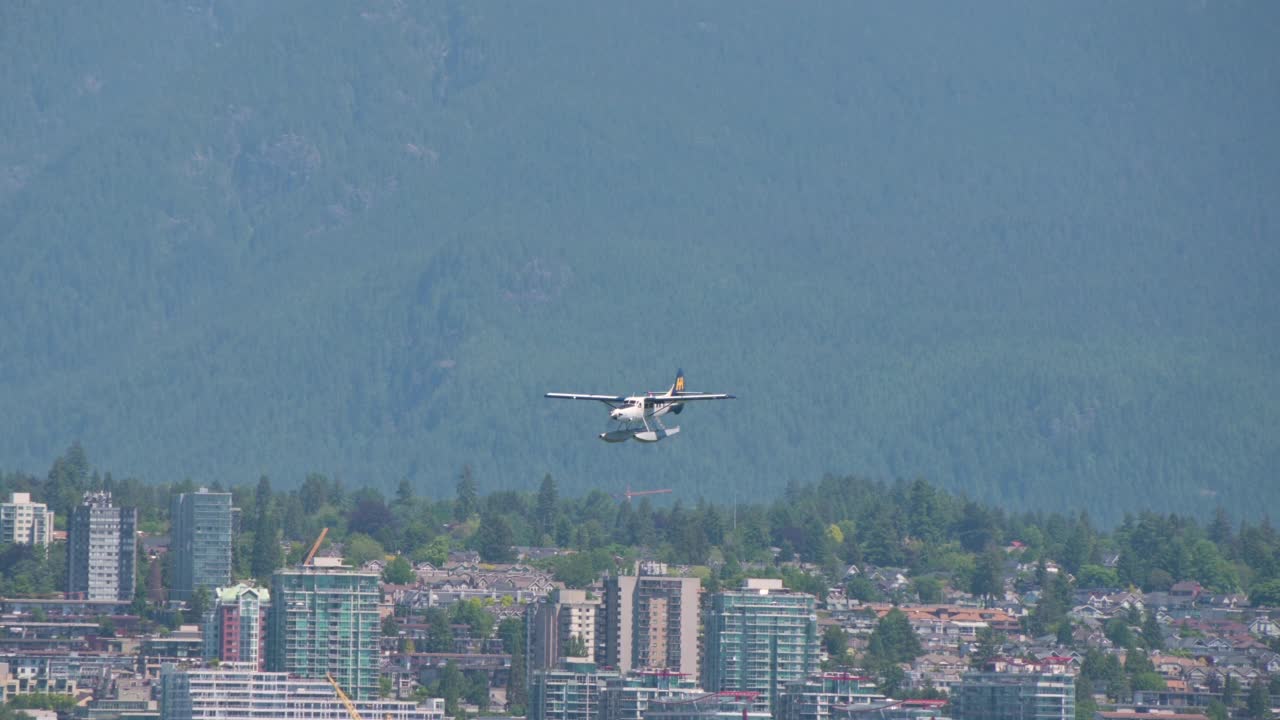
x=1026 y=251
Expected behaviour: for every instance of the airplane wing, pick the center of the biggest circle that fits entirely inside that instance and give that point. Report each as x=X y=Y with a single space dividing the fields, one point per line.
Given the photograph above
x=606 y=399
x=682 y=397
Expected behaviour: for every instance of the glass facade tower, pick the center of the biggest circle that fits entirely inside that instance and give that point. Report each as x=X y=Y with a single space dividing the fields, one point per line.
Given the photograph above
x=324 y=620
x=199 y=543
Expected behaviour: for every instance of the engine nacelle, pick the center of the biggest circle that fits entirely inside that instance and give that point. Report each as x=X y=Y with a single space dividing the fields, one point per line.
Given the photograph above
x=630 y=413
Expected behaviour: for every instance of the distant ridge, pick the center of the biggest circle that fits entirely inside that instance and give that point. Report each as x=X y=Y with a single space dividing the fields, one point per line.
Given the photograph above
x=1027 y=254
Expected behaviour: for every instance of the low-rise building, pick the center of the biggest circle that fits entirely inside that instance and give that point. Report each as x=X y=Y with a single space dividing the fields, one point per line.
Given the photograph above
x=185 y=644
x=726 y=705
x=816 y=697
x=893 y=710
x=239 y=691
x=572 y=692
x=25 y=680
x=1011 y=692
x=629 y=698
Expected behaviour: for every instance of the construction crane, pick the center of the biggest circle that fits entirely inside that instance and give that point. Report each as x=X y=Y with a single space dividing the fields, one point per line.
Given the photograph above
x=311 y=554
x=629 y=493
x=346 y=701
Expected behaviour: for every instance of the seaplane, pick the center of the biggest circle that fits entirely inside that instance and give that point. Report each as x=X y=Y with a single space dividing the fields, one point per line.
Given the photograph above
x=640 y=416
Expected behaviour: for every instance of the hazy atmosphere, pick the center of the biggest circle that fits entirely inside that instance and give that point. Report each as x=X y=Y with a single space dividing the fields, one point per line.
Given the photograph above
x=1028 y=252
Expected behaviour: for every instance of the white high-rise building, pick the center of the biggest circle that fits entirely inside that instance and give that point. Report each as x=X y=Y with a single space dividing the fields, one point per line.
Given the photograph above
x=102 y=549
x=23 y=522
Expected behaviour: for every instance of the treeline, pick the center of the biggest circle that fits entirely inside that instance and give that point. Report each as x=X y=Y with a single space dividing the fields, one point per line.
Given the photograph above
x=940 y=538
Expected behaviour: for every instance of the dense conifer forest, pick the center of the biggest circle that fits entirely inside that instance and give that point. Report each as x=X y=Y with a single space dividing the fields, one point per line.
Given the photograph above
x=1027 y=252
x=940 y=538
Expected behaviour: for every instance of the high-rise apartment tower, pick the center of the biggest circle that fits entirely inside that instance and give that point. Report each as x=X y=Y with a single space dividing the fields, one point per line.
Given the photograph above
x=23 y=522
x=324 y=620
x=651 y=622
x=759 y=638
x=199 y=543
x=101 y=549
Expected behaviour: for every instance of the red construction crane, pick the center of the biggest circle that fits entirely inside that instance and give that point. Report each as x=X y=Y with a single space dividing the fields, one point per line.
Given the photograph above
x=629 y=493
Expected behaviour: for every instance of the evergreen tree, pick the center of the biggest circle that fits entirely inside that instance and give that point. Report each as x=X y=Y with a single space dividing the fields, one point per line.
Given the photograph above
x=892 y=678
x=201 y=601
x=1079 y=546
x=1066 y=637
x=439 y=632
x=988 y=575
x=1112 y=673
x=1051 y=610
x=712 y=522
x=544 y=513
x=477 y=688
x=494 y=539
x=924 y=512
x=1220 y=530
x=266 y=548
x=390 y=627
x=1266 y=594
x=1142 y=673
x=465 y=503
x=836 y=642
x=266 y=532
x=1258 y=702
x=1086 y=706
x=977 y=527
x=1118 y=632
x=451 y=686
x=404 y=493
x=262 y=500
x=1152 y=634
x=1230 y=690
x=511 y=631
x=987 y=648
x=293 y=519
x=892 y=641
x=314 y=493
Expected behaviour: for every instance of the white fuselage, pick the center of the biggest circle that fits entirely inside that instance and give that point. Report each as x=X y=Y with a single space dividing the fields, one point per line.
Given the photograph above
x=635 y=410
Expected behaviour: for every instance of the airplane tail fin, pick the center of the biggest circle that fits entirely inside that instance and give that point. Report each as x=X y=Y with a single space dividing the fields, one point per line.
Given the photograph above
x=677 y=387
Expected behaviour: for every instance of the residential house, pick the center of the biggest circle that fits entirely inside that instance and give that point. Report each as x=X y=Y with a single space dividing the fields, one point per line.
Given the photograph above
x=1185 y=592
x=1264 y=626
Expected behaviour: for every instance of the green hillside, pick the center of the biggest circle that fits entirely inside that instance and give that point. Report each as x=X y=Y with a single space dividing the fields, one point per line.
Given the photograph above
x=1030 y=253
